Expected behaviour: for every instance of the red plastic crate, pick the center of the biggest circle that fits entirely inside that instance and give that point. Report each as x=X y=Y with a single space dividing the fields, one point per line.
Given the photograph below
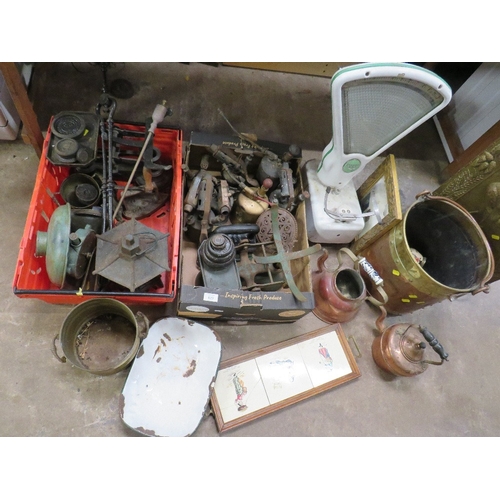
x=31 y=279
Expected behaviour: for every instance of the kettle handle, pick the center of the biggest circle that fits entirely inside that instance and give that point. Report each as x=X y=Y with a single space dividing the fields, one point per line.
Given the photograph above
x=434 y=343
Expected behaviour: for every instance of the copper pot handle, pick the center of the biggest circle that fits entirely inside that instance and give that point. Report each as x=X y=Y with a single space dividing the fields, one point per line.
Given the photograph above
x=349 y=253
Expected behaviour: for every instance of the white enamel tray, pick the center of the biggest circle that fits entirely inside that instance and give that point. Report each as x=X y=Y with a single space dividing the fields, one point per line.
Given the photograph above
x=170 y=382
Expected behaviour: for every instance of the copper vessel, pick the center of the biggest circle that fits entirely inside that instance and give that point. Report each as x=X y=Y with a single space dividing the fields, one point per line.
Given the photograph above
x=400 y=348
x=457 y=258
x=339 y=294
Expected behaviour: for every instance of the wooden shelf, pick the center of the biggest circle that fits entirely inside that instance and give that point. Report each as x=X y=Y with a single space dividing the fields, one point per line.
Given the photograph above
x=19 y=95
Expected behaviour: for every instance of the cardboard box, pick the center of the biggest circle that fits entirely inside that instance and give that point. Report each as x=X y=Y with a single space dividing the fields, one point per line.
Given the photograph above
x=239 y=305
x=31 y=279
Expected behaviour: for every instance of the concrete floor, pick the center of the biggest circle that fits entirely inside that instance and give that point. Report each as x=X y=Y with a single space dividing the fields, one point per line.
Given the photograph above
x=43 y=397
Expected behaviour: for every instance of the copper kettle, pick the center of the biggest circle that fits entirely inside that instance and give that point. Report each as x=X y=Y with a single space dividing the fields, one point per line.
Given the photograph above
x=400 y=350
x=338 y=294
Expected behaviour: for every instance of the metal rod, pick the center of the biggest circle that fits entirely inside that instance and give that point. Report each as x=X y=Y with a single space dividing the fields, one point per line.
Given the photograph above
x=125 y=189
x=109 y=185
x=104 y=177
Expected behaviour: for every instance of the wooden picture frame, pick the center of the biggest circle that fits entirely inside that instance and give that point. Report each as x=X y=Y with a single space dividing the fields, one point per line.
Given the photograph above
x=382 y=190
x=266 y=380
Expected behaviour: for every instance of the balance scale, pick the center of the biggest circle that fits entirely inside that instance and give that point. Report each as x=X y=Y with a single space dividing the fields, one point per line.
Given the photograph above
x=374 y=105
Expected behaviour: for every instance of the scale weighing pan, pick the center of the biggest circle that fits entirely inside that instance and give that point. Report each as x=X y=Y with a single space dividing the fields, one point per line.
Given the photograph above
x=169 y=385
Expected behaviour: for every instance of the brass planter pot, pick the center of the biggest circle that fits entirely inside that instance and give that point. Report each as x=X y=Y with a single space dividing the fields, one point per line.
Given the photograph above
x=458 y=258
x=101 y=336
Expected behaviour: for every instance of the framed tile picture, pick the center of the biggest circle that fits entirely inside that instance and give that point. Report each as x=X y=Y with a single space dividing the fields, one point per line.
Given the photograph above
x=257 y=383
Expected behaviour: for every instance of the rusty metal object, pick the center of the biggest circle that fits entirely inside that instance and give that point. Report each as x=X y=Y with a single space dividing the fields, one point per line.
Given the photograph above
x=191 y=199
x=217 y=259
x=131 y=254
x=80 y=191
x=284 y=196
x=282 y=257
x=237 y=165
x=400 y=349
x=269 y=168
x=73 y=139
x=256 y=276
x=139 y=204
x=458 y=256
x=168 y=388
x=82 y=244
x=206 y=191
x=149 y=184
x=224 y=202
x=288 y=228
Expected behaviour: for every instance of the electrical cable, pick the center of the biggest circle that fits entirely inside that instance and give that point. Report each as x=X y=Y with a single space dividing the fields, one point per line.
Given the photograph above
x=342 y=217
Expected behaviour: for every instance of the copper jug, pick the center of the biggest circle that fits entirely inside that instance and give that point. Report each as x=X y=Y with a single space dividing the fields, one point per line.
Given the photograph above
x=338 y=294
x=400 y=350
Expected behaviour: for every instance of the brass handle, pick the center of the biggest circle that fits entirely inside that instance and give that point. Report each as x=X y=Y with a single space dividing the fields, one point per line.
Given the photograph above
x=355 y=344
x=349 y=253
x=142 y=325
x=376 y=302
x=54 y=351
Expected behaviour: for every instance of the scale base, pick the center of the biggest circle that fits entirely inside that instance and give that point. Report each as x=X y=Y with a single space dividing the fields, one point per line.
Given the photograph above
x=321 y=228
